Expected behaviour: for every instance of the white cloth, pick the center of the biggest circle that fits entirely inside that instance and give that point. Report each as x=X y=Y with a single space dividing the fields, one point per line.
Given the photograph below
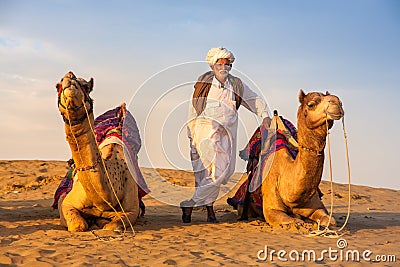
x=212 y=137
x=128 y=159
x=218 y=52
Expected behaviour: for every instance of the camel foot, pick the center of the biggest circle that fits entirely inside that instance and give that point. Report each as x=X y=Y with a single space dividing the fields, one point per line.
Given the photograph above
x=114 y=226
x=325 y=221
x=291 y=221
x=278 y=217
x=120 y=224
x=73 y=220
x=323 y=218
x=78 y=226
x=101 y=222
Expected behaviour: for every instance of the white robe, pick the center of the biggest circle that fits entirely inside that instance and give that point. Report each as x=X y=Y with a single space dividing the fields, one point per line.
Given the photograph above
x=213 y=137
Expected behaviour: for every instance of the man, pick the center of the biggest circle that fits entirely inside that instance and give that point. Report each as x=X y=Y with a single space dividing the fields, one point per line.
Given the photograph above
x=212 y=129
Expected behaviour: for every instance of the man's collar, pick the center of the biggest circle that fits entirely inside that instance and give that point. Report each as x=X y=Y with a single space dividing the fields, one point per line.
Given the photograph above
x=216 y=82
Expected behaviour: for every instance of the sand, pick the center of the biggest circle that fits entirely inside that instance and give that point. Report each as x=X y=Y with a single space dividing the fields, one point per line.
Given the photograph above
x=30 y=233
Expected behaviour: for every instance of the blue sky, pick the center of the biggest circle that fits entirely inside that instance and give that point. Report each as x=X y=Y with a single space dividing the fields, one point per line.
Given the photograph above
x=350 y=48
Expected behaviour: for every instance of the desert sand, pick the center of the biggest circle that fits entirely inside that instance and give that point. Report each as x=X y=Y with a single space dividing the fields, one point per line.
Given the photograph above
x=30 y=233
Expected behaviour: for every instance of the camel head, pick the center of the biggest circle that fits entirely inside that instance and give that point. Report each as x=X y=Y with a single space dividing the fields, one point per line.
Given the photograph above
x=73 y=98
x=317 y=108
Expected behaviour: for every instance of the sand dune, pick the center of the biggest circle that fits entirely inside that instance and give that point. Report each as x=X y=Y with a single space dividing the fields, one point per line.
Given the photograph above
x=30 y=234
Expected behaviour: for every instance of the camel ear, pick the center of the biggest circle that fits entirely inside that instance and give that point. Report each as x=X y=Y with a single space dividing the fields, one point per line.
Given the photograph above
x=59 y=88
x=301 y=96
x=87 y=86
x=90 y=85
x=71 y=74
x=327 y=93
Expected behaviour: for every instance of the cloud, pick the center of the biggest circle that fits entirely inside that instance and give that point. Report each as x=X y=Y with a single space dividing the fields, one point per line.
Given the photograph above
x=22 y=55
x=8 y=42
x=18 y=45
x=28 y=117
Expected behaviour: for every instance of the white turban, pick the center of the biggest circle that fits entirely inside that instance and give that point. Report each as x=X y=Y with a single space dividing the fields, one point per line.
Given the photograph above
x=219 y=52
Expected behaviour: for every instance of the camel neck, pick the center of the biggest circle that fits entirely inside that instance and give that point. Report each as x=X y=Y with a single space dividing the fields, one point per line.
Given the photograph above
x=83 y=144
x=86 y=155
x=311 y=152
x=312 y=140
x=305 y=176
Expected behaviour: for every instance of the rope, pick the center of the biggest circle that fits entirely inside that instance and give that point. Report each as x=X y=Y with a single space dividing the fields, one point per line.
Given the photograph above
x=326 y=232
x=107 y=238
x=109 y=180
x=80 y=155
x=348 y=176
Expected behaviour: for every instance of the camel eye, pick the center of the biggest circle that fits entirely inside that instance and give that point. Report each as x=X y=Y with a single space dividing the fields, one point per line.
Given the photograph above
x=311 y=104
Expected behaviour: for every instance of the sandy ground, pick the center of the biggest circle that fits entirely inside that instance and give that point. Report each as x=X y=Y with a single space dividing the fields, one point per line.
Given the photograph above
x=30 y=233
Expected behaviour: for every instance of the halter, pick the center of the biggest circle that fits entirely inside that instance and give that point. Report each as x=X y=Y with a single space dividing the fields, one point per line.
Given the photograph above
x=84 y=116
x=319 y=153
x=90 y=167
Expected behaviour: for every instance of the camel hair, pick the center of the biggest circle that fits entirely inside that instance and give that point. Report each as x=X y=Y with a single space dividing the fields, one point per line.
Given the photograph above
x=104 y=192
x=289 y=190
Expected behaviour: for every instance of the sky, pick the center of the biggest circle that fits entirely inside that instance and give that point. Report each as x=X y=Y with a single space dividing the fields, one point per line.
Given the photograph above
x=149 y=53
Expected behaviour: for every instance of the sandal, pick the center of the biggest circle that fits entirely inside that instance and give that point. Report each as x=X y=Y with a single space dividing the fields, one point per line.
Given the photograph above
x=186 y=214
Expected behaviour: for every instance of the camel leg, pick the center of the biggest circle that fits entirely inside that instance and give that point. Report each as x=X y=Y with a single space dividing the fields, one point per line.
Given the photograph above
x=275 y=212
x=73 y=219
x=100 y=222
x=122 y=220
x=316 y=211
x=323 y=217
x=69 y=207
x=277 y=217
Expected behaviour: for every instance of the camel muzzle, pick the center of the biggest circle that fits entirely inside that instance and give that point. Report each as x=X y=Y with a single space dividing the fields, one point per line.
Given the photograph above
x=333 y=108
x=69 y=104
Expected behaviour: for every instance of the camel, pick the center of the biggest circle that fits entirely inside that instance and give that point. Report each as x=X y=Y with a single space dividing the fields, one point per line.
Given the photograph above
x=105 y=191
x=289 y=190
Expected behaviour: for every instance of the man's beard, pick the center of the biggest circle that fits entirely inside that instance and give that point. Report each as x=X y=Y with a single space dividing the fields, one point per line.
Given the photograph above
x=222 y=74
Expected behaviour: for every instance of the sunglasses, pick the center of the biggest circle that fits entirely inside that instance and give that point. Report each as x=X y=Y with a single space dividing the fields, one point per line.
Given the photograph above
x=220 y=65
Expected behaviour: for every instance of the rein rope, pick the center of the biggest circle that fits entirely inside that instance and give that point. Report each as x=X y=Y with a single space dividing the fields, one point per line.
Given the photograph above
x=99 y=159
x=112 y=187
x=326 y=232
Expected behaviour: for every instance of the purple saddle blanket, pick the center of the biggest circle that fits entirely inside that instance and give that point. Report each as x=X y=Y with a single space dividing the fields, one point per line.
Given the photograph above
x=119 y=124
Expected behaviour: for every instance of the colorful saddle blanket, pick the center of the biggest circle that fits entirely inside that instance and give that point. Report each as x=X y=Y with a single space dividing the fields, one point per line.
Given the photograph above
x=112 y=123
x=251 y=153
